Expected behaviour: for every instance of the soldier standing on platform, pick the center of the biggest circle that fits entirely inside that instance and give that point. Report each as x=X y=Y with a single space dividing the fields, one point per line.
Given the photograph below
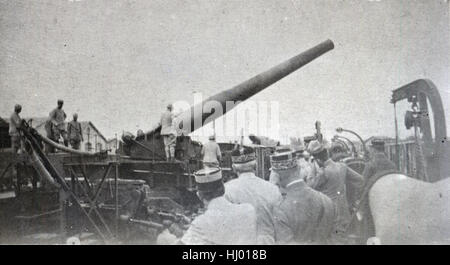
x=14 y=124
x=75 y=132
x=211 y=153
x=168 y=133
x=16 y=142
x=57 y=118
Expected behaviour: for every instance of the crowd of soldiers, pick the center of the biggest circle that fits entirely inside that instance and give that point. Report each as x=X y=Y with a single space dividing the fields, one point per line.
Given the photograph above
x=55 y=126
x=310 y=198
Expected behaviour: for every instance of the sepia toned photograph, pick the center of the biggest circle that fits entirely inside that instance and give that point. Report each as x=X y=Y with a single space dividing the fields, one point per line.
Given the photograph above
x=224 y=122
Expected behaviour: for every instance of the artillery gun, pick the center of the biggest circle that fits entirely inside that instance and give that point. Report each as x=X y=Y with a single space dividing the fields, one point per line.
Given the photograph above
x=137 y=185
x=165 y=176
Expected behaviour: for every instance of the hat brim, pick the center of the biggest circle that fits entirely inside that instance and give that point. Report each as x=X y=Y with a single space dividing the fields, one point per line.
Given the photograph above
x=210 y=186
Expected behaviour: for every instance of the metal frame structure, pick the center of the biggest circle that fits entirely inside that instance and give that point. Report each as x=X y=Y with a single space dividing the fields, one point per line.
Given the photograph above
x=435 y=150
x=68 y=193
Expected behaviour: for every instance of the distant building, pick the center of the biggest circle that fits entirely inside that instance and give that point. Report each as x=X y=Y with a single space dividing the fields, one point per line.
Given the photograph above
x=94 y=141
x=112 y=145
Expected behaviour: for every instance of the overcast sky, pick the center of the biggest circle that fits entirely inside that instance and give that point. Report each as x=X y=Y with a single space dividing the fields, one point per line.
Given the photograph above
x=118 y=63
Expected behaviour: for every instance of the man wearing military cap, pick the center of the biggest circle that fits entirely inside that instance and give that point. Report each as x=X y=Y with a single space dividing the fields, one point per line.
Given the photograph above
x=274 y=178
x=16 y=142
x=248 y=188
x=223 y=222
x=14 y=123
x=305 y=216
x=168 y=133
x=58 y=127
x=333 y=183
x=75 y=132
x=378 y=161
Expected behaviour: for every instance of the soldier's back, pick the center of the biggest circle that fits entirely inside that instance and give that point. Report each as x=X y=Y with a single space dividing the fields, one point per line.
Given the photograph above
x=262 y=195
x=223 y=223
x=211 y=149
x=309 y=214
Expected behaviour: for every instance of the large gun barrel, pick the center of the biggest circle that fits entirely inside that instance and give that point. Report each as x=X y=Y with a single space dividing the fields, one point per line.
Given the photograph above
x=247 y=89
x=205 y=112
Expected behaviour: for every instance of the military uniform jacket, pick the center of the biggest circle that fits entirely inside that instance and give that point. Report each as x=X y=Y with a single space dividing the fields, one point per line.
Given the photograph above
x=74 y=130
x=334 y=182
x=167 y=124
x=223 y=223
x=211 y=152
x=58 y=116
x=14 y=123
x=378 y=163
x=262 y=195
x=305 y=216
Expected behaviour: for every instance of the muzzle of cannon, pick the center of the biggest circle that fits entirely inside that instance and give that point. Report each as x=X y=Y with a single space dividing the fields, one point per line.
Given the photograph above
x=218 y=104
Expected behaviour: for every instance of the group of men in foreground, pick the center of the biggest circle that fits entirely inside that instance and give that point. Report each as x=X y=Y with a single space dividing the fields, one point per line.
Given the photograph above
x=300 y=205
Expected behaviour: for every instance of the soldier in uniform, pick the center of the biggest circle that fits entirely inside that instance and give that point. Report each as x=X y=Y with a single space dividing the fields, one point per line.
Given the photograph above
x=168 y=133
x=379 y=161
x=15 y=122
x=57 y=118
x=16 y=142
x=274 y=178
x=248 y=188
x=75 y=132
x=333 y=183
x=305 y=216
x=211 y=153
x=223 y=222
